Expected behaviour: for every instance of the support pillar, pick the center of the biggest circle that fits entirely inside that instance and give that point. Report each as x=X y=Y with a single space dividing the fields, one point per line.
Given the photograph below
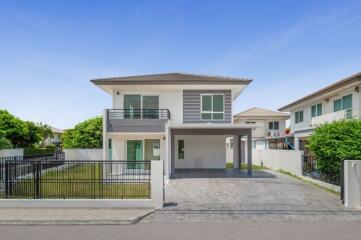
x=236 y=151
x=249 y=152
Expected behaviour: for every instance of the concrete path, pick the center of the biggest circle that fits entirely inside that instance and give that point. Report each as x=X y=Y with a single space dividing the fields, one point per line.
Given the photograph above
x=56 y=216
x=268 y=196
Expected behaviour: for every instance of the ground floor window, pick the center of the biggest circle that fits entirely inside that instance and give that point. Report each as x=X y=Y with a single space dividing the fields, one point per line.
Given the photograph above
x=110 y=152
x=180 y=149
x=140 y=150
x=152 y=149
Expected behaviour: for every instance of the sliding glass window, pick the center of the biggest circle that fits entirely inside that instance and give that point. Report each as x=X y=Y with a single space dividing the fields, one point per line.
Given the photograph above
x=212 y=107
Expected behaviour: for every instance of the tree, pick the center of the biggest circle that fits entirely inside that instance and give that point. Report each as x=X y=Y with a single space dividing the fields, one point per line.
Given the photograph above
x=87 y=134
x=333 y=142
x=19 y=133
x=4 y=143
x=44 y=132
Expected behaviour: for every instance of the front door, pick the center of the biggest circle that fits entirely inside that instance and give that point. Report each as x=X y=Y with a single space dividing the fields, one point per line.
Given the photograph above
x=135 y=153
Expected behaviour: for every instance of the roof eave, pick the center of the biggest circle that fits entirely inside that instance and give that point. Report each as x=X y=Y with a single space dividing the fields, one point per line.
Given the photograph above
x=331 y=87
x=173 y=82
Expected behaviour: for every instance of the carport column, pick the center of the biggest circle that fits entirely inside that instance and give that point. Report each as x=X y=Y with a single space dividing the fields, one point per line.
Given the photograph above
x=236 y=150
x=249 y=152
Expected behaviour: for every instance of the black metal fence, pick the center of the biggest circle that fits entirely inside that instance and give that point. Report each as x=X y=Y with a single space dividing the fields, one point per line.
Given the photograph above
x=138 y=114
x=52 y=179
x=310 y=169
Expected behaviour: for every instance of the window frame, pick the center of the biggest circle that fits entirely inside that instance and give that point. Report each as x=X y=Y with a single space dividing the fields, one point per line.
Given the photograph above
x=212 y=112
x=341 y=102
x=318 y=110
x=272 y=123
x=298 y=119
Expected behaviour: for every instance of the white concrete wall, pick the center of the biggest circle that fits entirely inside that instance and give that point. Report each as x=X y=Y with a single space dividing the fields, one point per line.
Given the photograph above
x=168 y=99
x=287 y=160
x=14 y=152
x=201 y=151
x=352 y=181
x=84 y=154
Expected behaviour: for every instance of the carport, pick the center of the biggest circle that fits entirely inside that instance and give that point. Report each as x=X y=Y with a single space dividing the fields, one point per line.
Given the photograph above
x=203 y=130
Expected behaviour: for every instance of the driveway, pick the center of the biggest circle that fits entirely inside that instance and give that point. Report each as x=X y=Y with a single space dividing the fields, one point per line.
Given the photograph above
x=231 y=195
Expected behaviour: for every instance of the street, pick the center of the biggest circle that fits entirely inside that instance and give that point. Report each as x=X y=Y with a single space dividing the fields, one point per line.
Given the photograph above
x=175 y=231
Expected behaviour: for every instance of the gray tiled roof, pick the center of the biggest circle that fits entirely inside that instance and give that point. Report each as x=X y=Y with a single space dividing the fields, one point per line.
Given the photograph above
x=261 y=112
x=171 y=78
x=353 y=78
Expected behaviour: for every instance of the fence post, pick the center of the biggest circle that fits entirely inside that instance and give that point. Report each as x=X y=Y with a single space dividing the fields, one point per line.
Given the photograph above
x=37 y=179
x=156 y=184
x=7 y=190
x=342 y=182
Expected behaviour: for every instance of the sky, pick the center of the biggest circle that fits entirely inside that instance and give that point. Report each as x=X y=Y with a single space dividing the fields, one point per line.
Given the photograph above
x=49 y=50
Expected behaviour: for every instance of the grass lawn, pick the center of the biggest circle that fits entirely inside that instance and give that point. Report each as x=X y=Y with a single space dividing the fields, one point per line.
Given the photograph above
x=81 y=181
x=229 y=165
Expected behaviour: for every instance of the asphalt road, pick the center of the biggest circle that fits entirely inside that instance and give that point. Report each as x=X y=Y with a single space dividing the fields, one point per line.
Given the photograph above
x=175 y=231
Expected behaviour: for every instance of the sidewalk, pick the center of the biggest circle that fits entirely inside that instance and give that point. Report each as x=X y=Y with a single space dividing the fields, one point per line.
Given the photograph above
x=64 y=216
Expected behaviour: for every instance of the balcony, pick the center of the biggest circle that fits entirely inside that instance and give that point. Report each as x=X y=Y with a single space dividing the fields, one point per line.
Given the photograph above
x=334 y=116
x=137 y=120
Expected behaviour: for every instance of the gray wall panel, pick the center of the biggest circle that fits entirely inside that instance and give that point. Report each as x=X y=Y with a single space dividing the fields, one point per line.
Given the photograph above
x=192 y=106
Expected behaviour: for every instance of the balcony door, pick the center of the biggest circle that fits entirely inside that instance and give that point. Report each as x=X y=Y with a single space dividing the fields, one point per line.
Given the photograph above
x=132 y=106
x=150 y=107
x=138 y=106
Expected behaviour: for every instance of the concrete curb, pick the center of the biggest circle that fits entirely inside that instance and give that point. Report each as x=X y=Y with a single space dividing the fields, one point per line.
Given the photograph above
x=75 y=222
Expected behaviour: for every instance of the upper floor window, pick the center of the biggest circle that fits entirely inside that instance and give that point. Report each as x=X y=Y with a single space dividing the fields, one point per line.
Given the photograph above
x=250 y=122
x=299 y=117
x=316 y=110
x=273 y=125
x=212 y=106
x=343 y=103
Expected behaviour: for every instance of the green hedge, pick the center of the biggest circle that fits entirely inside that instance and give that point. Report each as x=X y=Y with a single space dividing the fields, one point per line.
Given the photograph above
x=36 y=151
x=333 y=142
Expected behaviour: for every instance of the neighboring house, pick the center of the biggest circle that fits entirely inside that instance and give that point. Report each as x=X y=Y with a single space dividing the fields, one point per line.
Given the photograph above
x=56 y=139
x=271 y=133
x=182 y=119
x=337 y=101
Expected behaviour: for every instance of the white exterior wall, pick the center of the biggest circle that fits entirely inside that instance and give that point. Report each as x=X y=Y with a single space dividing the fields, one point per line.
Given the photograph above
x=201 y=151
x=263 y=126
x=84 y=154
x=14 y=152
x=168 y=99
x=327 y=107
x=287 y=160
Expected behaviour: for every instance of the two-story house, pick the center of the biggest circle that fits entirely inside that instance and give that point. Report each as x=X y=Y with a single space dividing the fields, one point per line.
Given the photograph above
x=271 y=131
x=337 y=101
x=182 y=119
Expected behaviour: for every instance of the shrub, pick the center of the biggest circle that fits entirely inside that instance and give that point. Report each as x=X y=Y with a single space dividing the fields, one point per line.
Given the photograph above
x=5 y=143
x=36 y=151
x=333 y=142
x=87 y=134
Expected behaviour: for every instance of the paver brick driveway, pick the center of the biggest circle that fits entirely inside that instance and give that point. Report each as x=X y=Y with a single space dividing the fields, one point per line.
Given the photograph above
x=229 y=195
